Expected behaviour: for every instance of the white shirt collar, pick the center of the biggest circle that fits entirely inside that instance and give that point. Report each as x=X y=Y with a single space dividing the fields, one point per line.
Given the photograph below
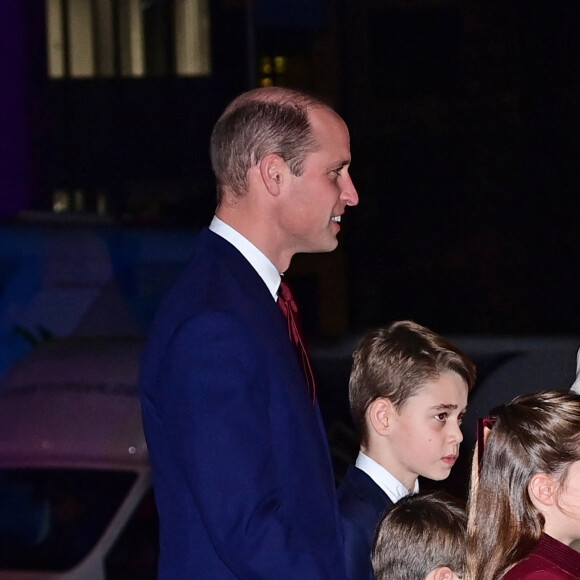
x=387 y=482
x=576 y=385
x=257 y=259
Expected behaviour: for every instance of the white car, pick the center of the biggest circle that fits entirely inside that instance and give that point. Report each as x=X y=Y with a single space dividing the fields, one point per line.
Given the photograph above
x=75 y=483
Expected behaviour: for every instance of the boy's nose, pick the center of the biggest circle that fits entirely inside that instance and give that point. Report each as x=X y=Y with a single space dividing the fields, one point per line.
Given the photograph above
x=457 y=434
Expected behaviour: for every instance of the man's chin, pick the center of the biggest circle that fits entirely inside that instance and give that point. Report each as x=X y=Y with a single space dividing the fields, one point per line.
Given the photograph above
x=331 y=245
x=328 y=245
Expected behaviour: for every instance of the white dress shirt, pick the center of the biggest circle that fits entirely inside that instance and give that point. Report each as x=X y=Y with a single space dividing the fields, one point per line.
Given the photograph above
x=394 y=489
x=266 y=270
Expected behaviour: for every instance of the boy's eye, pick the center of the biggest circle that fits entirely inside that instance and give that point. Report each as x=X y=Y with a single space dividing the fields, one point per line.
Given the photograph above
x=442 y=417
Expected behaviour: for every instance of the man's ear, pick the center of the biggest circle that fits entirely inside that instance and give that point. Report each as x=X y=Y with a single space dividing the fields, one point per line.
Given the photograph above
x=379 y=414
x=441 y=573
x=272 y=171
x=542 y=490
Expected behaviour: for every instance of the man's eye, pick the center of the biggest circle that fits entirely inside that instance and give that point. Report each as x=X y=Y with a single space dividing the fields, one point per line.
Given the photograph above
x=442 y=417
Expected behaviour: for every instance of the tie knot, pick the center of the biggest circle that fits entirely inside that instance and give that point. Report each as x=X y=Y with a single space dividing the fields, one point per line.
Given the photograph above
x=285 y=296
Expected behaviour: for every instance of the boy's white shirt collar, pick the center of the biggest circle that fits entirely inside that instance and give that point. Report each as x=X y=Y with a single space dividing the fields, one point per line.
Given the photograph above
x=394 y=489
x=576 y=386
x=257 y=259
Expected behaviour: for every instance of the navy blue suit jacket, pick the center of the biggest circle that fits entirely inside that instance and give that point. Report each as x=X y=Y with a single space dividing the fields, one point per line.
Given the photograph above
x=241 y=468
x=361 y=503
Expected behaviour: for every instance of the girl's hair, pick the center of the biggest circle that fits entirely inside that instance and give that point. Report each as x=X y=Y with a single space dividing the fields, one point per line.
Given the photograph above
x=536 y=433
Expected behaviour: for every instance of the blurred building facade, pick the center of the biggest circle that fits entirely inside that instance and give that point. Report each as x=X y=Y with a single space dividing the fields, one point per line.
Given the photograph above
x=464 y=119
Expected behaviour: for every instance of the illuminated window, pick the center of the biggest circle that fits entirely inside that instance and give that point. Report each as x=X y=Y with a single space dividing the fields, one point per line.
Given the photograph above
x=133 y=38
x=272 y=70
x=279 y=65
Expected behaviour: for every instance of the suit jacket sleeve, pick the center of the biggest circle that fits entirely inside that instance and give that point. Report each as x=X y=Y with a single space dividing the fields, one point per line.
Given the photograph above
x=219 y=416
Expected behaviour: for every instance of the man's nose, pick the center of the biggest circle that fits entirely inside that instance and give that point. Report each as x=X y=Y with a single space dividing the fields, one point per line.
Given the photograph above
x=349 y=193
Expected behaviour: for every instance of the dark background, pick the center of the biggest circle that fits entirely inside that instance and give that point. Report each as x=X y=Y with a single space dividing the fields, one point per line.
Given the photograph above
x=464 y=119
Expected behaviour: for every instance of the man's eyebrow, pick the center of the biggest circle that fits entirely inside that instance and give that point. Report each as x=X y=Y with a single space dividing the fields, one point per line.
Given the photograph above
x=340 y=164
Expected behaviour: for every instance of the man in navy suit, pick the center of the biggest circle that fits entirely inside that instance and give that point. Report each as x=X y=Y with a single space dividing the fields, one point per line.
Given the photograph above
x=242 y=473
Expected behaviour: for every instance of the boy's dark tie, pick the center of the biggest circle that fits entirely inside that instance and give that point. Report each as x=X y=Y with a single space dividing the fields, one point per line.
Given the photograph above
x=290 y=311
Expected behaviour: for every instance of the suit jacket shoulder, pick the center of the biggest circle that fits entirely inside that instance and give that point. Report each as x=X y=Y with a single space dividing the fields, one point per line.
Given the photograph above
x=361 y=504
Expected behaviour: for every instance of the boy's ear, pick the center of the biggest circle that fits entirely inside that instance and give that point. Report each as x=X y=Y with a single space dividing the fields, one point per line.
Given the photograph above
x=379 y=415
x=542 y=490
x=441 y=573
x=272 y=168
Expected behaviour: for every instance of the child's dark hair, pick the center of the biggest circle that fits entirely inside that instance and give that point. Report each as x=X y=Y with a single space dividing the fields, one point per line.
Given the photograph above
x=422 y=532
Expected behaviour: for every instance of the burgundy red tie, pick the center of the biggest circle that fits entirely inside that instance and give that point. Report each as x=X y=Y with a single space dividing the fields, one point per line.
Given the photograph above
x=290 y=311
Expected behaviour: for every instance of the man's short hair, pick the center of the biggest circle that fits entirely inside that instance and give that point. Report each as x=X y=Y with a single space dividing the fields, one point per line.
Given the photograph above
x=258 y=123
x=422 y=532
x=395 y=362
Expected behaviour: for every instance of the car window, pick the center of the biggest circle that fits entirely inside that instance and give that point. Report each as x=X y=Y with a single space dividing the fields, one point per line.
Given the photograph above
x=136 y=552
x=51 y=518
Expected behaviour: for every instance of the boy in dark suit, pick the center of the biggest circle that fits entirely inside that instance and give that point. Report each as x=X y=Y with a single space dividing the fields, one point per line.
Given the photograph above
x=421 y=538
x=408 y=394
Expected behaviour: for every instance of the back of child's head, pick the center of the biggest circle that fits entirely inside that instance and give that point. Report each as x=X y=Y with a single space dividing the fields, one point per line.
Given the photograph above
x=535 y=433
x=421 y=533
x=395 y=362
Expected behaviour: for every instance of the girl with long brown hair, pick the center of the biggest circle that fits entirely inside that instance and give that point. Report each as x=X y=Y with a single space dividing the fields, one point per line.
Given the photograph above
x=524 y=505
